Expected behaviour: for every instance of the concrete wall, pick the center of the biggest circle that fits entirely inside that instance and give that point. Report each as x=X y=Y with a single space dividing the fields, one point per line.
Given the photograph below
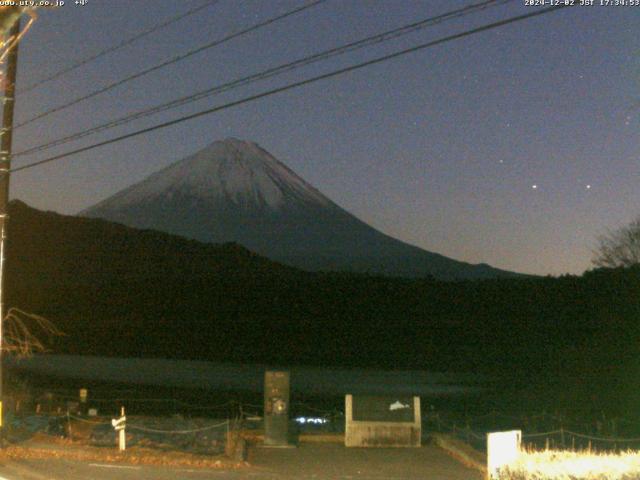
x=382 y=434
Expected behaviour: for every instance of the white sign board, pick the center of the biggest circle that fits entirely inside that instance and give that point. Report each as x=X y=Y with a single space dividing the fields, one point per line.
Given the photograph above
x=503 y=449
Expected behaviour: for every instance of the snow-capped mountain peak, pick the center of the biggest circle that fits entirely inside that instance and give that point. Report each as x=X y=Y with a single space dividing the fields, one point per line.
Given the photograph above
x=231 y=170
x=235 y=191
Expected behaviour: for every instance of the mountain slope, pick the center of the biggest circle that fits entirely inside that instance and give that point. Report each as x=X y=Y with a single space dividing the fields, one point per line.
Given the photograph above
x=235 y=191
x=120 y=291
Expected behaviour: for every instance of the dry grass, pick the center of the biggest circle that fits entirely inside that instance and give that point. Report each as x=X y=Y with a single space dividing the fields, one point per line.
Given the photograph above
x=43 y=447
x=573 y=465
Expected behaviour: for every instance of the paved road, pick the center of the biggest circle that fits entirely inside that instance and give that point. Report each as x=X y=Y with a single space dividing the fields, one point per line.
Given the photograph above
x=308 y=462
x=62 y=469
x=334 y=461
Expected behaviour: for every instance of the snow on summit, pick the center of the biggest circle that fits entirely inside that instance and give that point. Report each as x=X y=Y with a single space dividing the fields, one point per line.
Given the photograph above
x=227 y=170
x=235 y=191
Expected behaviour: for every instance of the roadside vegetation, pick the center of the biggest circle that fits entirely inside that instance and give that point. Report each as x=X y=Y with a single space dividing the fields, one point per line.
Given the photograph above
x=573 y=465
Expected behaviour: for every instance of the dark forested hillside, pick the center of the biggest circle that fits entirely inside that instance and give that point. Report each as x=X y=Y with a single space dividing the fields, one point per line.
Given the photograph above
x=119 y=291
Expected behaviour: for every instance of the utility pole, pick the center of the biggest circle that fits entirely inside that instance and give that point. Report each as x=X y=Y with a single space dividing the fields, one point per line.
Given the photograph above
x=6 y=136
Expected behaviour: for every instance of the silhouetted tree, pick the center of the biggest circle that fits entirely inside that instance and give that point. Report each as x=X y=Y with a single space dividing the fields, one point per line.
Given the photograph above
x=619 y=248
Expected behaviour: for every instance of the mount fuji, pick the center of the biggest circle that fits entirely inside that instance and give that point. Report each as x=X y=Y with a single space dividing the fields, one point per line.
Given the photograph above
x=235 y=191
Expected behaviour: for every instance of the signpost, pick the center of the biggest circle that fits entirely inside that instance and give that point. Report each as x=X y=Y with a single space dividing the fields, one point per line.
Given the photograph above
x=382 y=421
x=119 y=425
x=503 y=448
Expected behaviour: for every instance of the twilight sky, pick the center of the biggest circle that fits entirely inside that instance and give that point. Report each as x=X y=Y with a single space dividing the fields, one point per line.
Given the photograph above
x=515 y=147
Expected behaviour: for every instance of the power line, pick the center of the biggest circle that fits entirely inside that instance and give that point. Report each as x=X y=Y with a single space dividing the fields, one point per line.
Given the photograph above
x=118 y=46
x=291 y=86
x=321 y=56
x=170 y=61
x=388 y=35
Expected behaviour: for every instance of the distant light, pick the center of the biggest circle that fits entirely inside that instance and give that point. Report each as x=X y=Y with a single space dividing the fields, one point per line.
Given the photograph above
x=588 y=187
x=534 y=186
x=313 y=420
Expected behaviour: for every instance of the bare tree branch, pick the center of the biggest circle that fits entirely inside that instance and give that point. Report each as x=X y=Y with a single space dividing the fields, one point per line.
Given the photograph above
x=619 y=248
x=19 y=337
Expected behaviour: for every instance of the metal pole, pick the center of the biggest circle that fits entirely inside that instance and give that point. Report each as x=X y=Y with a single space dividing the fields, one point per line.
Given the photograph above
x=6 y=135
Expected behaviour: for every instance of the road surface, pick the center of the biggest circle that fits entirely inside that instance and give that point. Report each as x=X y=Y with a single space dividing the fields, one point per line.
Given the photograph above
x=312 y=462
